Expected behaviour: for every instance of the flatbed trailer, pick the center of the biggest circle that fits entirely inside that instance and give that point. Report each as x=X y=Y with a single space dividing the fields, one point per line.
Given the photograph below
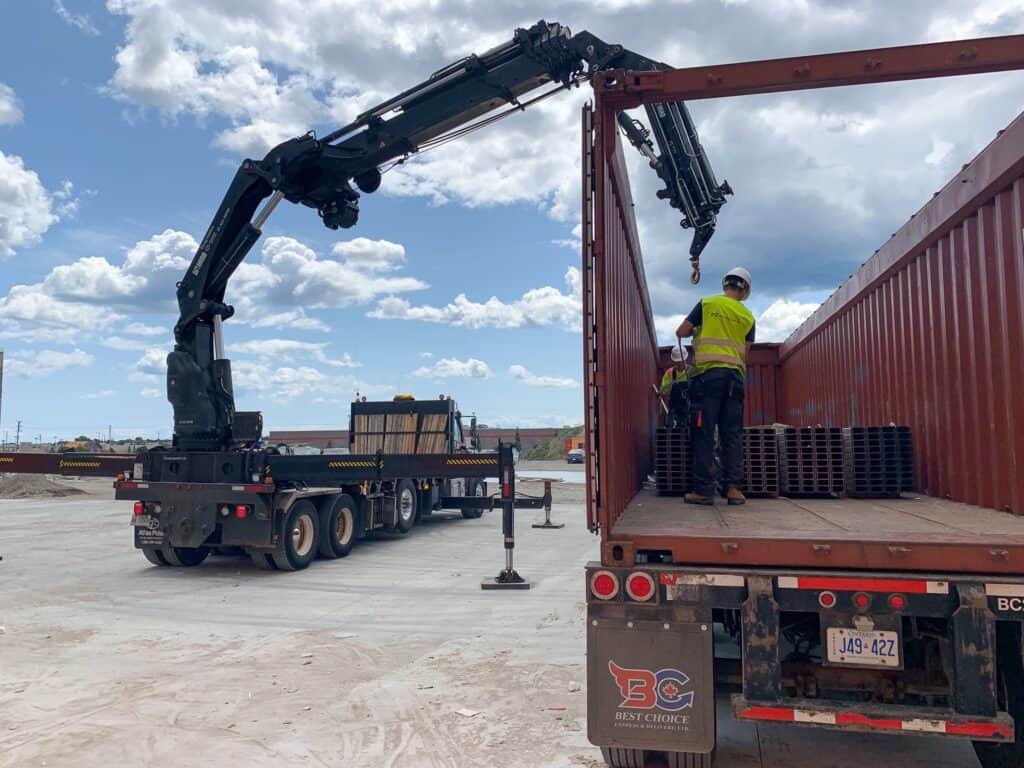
x=890 y=615
x=909 y=533
x=284 y=511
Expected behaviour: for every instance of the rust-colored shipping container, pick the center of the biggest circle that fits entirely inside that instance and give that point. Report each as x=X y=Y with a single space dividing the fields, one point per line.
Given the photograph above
x=927 y=333
x=899 y=614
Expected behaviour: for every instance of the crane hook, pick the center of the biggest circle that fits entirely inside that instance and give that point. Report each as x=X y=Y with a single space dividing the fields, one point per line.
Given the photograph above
x=695 y=273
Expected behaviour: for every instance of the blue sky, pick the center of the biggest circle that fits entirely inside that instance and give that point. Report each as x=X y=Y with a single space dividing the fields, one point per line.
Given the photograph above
x=121 y=124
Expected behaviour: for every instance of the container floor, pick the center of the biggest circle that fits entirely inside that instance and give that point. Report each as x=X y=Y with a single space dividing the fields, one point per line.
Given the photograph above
x=918 y=533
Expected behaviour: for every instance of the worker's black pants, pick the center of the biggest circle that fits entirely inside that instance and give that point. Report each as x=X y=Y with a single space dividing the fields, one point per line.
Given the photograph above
x=717 y=398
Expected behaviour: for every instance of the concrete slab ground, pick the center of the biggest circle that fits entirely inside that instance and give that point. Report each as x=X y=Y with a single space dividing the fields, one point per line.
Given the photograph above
x=392 y=657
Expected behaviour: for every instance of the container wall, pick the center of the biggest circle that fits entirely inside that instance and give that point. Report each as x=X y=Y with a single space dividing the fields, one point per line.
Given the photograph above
x=761 y=403
x=930 y=333
x=621 y=352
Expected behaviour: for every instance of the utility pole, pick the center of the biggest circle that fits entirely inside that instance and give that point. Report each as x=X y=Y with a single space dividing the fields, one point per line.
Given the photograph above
x=17 y=438
x=109 y=433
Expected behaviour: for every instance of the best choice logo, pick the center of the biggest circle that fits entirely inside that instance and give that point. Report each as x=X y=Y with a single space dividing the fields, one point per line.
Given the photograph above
x=647 y=689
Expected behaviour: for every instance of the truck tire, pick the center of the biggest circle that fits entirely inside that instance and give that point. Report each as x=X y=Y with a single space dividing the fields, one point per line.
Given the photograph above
x=154 y=555
x=618 y=757
x=1010 y=670
x=406 y=504
x=298 y=546
x=338 y=527
x=689 y=759
x=184 y=557
x=476 y=488
x=262 y=559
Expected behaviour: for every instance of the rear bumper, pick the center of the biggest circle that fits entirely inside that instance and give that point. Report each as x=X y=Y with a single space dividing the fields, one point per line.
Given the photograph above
x=191 y=514
x=877 y=719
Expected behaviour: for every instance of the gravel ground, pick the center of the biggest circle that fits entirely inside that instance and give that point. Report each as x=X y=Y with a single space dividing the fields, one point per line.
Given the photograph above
x=390 y=657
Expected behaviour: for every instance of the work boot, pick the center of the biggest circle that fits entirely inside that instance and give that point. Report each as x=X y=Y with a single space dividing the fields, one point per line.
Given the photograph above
x=696 y=498
x=735 y=496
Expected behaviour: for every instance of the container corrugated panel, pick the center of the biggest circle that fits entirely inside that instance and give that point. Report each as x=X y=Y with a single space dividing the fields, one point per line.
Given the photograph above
x=929 y=333
x=621 y=350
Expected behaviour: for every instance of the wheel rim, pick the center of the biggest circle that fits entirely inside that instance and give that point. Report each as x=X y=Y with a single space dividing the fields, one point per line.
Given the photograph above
x=302 y=535
x=405 y=509
x=343 y=528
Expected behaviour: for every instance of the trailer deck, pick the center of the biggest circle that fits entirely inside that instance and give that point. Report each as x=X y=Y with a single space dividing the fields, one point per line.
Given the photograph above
x=913 y=533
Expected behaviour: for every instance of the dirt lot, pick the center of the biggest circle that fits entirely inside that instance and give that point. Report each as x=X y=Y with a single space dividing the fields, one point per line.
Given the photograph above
x=391 y=657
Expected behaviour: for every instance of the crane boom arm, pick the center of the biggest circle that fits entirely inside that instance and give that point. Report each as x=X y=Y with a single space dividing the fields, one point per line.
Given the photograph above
x=325 y=174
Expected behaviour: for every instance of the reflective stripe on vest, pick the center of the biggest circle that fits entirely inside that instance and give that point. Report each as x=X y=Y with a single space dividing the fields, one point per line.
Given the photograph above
x=667 y=379
x=721 y=340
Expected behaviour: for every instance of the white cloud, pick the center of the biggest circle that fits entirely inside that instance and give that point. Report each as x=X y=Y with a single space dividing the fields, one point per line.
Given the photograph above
x=451 y=368
x=297 y=319
x=782 y=318
x=284 y=383
x=151 y=367
x=45 y=362
x=11 y=111
x=292 y=350
x=665 y=326
x=523 y=374
x=26 y=208
x=151 y=393
x=287 y=273
x=80 y=21
x=545 y=306
x=141 y=329
x=371 y=255
x=291 y=273
x=103 y=393
x=940 y=151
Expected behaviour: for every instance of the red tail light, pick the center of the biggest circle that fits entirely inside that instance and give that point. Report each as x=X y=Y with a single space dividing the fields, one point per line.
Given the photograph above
x=897 y=602
x=604 y=585
x=140 y=508
x=640 y=586
x=241 y=511
x=861 y=600
x=827 y=599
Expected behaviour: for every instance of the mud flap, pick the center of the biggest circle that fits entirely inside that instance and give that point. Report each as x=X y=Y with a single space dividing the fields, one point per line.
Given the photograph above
x=650 y=684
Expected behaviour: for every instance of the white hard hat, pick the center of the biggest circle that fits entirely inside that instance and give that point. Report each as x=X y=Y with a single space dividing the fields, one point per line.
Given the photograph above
x=738 y=272
x=677 y=355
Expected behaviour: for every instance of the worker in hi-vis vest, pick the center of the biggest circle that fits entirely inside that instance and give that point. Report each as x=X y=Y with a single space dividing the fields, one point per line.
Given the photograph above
x=722 y=330
x=674 y=388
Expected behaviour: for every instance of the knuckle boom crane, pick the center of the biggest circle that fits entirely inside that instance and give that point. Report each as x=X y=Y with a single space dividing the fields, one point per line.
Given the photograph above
x=325 y=173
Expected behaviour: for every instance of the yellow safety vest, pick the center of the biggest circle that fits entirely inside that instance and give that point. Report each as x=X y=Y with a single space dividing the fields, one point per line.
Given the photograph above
x=667 y=379
x=721 y=340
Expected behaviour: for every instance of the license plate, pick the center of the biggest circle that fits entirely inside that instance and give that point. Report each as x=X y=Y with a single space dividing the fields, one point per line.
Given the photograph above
x=875 y=648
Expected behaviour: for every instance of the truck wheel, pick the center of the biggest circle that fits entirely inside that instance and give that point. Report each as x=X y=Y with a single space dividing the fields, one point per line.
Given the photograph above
x=338 y=532
x=154 y=555
x=617 y=757
x=298 y=543
x=476 y=488
x=184 y=557
x=1010 y=667
x=406 y=504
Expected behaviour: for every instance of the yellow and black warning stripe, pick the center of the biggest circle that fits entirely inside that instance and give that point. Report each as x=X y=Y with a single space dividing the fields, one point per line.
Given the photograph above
x=351 y=464
x=6 y=459
x=463 y=462
x=79 y=464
